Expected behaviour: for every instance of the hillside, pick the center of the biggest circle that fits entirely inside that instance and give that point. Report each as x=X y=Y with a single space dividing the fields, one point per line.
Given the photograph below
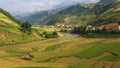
x=106 y=1
x=10 y=31
x=37 y=17
x=105 y=11
x=79 y=14
x=111 y=14
x=41 y=17
x=74 y=14
x=6 y=19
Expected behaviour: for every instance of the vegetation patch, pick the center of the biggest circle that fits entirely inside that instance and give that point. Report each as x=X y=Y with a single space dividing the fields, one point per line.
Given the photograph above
x=17 y=51
x=51 y=48
x=32 y=67
x=79 y=66
x=55 y=46
x=101 y=35
x=99 y=49
x=53 y=59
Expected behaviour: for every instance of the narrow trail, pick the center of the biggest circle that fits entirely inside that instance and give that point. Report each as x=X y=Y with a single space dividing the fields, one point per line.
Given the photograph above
x=67 y=36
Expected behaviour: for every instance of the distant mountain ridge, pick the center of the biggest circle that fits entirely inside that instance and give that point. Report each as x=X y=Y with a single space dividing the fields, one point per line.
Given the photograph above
x=48 y=16
x=75 y=15
x=80 y=14
x=41 y=17
x=106 y=1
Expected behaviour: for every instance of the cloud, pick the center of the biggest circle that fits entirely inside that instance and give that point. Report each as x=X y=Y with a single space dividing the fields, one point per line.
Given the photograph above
x=24 y=6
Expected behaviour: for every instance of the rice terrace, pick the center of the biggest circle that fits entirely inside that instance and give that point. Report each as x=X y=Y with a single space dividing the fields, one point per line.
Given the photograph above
x=60 y=34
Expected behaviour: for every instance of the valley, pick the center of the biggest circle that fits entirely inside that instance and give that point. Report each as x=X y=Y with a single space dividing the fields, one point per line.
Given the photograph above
x=78 y=34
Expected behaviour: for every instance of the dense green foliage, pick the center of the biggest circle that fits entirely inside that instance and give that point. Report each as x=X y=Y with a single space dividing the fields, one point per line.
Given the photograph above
x=26 y=27
x=79 y=30
x=51 y=34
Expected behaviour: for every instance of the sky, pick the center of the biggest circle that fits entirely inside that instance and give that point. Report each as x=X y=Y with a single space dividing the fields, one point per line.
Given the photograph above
x=28 y=6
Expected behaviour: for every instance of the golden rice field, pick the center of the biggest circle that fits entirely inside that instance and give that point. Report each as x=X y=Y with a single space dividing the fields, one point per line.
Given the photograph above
x=72 y=53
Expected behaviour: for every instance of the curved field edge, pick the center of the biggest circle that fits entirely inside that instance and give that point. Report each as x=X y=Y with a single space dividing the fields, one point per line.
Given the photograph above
x=79 y=52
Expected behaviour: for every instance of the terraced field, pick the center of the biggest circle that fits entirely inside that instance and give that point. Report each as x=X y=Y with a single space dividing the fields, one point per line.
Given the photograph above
x=70 y=51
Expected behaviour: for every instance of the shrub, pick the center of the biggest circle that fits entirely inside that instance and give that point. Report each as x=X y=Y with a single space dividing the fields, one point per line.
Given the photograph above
x=26 y=27
x=51 y=34
x=79 y=30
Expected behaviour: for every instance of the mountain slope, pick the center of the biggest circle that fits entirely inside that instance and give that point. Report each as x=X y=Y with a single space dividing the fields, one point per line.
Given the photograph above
x=110 y=15
x=77 y=14
x=103 y=12
x=10 y=31
x=6 y=19
x=41 y=17
x=106 y=1
x=34 y=17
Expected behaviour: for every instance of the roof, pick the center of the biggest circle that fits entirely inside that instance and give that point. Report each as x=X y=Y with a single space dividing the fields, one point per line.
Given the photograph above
x=112 y=25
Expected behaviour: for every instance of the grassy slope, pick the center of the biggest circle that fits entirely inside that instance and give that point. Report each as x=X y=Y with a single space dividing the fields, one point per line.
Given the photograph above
x=76 y=53
x=6 y=21
x=10 y=32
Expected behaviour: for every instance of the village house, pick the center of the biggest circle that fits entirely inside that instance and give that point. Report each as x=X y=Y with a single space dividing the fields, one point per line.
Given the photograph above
x=68 y=26
x=100 y=27
x=112 y=27
x=60 y=25
x=90 y=28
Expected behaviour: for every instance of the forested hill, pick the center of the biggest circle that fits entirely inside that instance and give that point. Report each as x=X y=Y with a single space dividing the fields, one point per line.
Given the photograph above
x=109 y=13
x=78 y=14
x=106 y=1
x=105 y=11
x=41 y=17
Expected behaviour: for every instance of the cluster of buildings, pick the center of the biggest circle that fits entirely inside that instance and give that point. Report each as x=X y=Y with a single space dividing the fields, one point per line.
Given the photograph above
x=108 y=27
x=65 y=25
x=59 y=26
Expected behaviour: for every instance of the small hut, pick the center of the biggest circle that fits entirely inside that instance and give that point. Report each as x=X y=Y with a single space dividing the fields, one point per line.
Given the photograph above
x=27 y=57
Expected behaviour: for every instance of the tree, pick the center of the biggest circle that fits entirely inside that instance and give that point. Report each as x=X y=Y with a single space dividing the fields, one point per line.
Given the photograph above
x=26 y=27
x=55 y=34
x=79 y=30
